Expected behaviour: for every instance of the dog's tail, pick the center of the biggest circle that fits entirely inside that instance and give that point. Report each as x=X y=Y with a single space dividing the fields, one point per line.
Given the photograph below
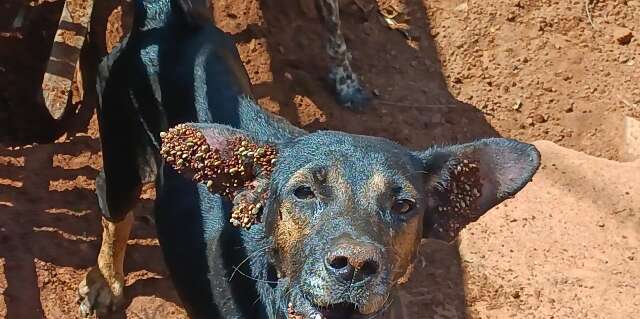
x=158 y=13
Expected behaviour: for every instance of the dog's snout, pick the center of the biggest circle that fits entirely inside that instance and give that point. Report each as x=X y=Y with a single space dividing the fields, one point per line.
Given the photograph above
x=353 y=262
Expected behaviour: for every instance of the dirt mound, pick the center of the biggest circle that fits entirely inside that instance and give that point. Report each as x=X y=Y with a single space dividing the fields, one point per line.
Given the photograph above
x=568 y=246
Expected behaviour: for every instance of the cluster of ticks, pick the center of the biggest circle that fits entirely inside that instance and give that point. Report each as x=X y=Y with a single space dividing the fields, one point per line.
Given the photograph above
x=227 y=170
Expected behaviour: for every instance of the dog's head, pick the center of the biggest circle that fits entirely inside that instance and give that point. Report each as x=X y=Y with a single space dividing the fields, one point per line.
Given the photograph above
x=346 y=213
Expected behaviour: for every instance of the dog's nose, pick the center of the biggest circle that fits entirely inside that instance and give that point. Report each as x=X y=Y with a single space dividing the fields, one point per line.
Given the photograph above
x=353 y=262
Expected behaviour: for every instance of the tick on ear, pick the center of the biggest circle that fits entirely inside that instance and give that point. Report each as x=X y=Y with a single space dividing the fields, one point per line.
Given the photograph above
x=233 y=168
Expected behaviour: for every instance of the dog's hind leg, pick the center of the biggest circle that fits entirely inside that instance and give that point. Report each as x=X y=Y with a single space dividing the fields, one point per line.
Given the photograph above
x=118 y=187
x=101 y=291
x=349 y=91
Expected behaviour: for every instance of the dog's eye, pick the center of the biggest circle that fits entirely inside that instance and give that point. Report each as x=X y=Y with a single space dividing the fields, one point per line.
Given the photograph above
x=304 y=192
x=402 y=206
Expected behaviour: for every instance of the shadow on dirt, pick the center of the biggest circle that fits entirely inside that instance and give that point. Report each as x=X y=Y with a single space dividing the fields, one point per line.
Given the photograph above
x=49 y=220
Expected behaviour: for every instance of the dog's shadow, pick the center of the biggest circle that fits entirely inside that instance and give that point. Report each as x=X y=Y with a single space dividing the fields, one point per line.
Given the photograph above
x=436 y=287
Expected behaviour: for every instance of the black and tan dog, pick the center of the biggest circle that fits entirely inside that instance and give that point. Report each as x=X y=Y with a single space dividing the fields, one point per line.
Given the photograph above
x=283 y=223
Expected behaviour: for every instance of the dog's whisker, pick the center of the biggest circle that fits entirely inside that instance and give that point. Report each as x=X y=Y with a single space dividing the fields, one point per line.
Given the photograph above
x=256 y=301
x=253 y=254
x=253 y=278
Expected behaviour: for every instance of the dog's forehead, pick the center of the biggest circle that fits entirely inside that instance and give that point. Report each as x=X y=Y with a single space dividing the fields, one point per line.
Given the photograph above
x=330 y=145
x=353 y=158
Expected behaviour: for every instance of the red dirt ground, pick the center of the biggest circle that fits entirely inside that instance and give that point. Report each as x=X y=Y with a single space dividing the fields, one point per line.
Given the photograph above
x=524 y=69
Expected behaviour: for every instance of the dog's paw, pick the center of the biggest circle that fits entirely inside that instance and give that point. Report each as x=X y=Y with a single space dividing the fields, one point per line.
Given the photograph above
x=349 y=92
x=97 y=294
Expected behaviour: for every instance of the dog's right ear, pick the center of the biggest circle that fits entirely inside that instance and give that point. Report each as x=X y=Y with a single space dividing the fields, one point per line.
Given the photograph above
x=230 y=162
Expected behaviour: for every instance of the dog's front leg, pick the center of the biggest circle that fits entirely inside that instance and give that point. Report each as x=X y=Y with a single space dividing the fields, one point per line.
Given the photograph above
x=348 y=89
x=102 y=289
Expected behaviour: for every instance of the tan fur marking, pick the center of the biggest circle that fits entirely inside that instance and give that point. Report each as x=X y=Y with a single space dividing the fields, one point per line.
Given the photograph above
x=112 y=251
x=376 y=184
x=290 y=230
x=102 y=288
x=405 y=278
x=300 y=177
x=405 y=246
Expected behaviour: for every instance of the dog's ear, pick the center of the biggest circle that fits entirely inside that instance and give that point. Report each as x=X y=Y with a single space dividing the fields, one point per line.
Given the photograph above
x=464 y=181
x=230 y=162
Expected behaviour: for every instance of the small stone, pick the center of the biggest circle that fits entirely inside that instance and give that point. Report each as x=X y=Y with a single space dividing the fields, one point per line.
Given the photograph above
x=622 y=59
x=376 y=92
x=600 y=224
x=529 y=121
x=622 y=35
x=568 y=108
x=517 y=105
x=464 y=7
x=539 y=118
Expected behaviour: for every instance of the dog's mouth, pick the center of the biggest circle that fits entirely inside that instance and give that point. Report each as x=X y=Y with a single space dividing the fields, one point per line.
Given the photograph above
x=343 y=310
x=316 y=299
x=340 y=310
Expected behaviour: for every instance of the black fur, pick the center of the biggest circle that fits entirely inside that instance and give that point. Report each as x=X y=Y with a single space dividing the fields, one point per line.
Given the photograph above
x=177 y=67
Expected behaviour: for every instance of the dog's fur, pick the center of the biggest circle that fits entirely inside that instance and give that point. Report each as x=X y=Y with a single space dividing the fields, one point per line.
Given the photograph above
x=332 y=196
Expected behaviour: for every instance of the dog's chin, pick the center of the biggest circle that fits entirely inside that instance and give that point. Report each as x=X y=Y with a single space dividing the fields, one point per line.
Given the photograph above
x=343 y=310
x=339 y=310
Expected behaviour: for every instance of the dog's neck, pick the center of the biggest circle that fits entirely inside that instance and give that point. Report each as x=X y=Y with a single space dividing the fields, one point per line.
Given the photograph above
x=264 y=125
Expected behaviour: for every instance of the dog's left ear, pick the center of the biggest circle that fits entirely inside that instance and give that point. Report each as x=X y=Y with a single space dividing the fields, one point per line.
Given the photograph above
x=230 y=162
x=465 y=181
